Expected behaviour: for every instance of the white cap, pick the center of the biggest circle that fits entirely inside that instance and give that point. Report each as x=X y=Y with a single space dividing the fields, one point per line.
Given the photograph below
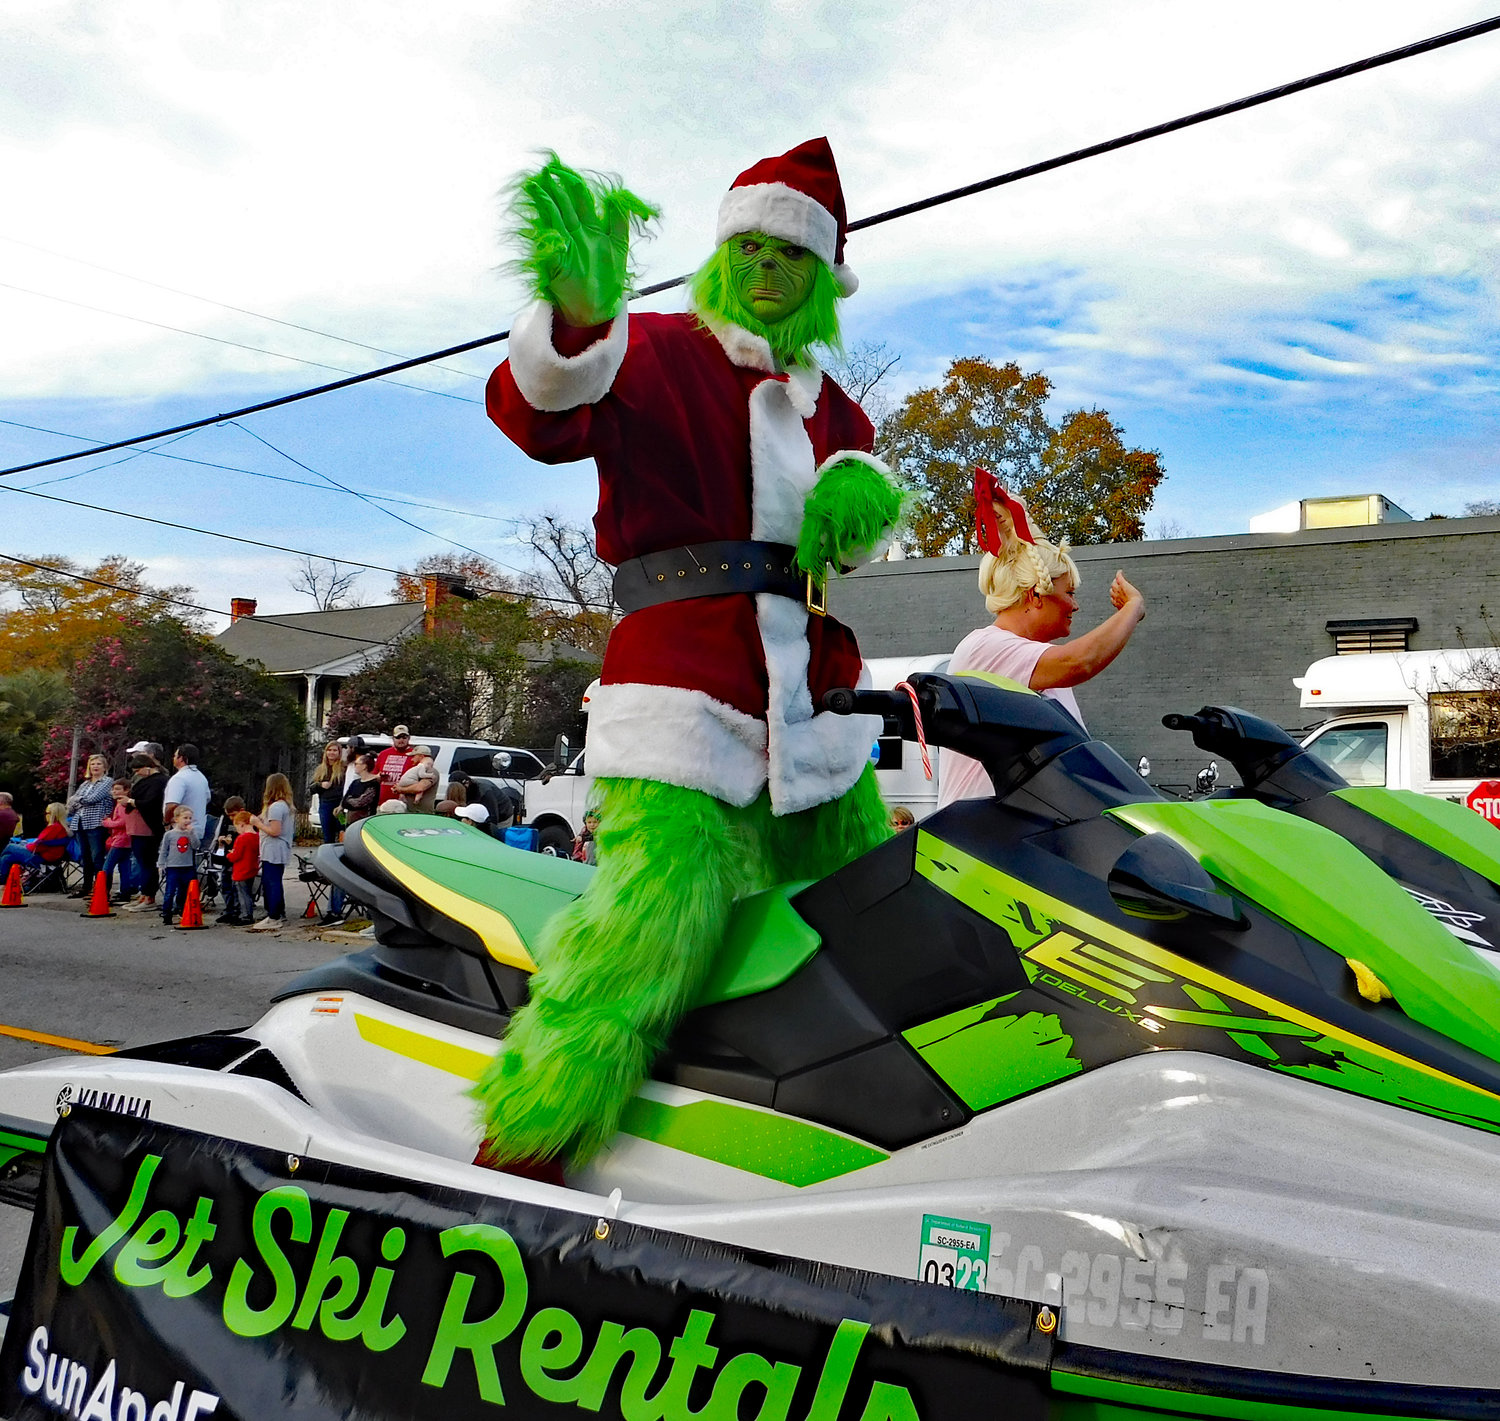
x=474 y=813
x=141 y=747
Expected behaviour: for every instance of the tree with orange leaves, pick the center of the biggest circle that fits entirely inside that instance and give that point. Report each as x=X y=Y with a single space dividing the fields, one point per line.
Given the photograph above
x=53 y=609
x=479 y=572
x=1078 y=478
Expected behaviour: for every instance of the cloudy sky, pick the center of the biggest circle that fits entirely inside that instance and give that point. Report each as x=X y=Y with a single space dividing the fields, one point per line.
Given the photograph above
x=209 y=203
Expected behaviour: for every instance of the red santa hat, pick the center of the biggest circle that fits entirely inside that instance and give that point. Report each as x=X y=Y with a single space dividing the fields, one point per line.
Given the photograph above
x=797 y=197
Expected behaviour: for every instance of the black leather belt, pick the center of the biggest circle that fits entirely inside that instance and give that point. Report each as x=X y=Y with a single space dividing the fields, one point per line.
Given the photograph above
x=712 y=570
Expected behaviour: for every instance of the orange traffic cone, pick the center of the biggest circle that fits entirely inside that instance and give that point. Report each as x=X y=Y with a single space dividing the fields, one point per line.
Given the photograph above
x=311 y=911
x=192 y=910
x=12 y=897
x=99 y=902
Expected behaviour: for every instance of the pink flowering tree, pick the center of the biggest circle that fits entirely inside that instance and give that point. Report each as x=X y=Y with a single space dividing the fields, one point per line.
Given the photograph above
x=160 y=680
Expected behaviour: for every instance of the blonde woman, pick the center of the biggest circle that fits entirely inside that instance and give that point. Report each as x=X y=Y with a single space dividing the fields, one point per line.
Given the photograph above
x=275 y=824
x=92 y=802
x=50 y=846
x=1029 y=585
x=328 y=784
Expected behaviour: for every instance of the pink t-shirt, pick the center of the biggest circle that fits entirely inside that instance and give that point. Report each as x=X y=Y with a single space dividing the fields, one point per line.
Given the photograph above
x=1004 y=654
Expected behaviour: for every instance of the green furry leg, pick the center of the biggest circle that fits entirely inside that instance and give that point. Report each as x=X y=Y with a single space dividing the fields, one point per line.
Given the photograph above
x=618 y=968
x=621 y=965
x=821 y=840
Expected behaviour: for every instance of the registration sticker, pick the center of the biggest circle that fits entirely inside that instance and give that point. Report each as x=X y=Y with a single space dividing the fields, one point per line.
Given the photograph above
x=955 y=1252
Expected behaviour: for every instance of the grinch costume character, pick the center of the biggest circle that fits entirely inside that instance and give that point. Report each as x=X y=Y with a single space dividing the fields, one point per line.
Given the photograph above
x=731 y=472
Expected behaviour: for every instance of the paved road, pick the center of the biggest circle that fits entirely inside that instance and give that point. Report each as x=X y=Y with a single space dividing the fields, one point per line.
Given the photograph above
x=127 y=981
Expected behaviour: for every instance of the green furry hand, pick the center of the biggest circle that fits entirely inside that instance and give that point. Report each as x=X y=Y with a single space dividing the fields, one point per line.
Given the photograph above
x=576 y=232
x=851 y=508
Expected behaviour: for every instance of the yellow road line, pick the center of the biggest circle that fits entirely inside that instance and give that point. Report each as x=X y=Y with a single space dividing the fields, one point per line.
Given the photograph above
x=66 y=1043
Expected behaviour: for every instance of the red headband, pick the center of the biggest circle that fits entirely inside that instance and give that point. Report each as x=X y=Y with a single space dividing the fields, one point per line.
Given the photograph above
x=987 y=489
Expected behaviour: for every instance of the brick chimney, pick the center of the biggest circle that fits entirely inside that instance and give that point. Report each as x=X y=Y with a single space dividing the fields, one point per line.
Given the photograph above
x=240 y=607
x=439 y=591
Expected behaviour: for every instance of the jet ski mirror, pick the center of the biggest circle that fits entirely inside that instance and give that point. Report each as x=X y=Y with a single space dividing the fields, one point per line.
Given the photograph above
x=1207 y=778
x=1143 y=767
x=1157 y=878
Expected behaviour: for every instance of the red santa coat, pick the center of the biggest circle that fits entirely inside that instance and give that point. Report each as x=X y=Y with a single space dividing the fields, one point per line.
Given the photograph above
x=697 y=439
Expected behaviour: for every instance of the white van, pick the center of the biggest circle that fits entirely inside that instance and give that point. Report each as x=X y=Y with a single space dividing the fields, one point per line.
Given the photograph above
x=1422 y=720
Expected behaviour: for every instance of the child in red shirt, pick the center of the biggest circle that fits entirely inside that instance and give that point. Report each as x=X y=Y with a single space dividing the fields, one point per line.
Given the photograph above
x=244 y=864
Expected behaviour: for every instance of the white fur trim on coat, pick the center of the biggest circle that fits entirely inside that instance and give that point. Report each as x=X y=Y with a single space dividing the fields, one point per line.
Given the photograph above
x=778 y=211
x=678 y=736
x=552 y=382
x=812 y=758
x=753 y=352
x=782 y=467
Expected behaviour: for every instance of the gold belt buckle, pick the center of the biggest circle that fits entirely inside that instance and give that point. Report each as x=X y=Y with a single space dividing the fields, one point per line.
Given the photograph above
x=817 y=598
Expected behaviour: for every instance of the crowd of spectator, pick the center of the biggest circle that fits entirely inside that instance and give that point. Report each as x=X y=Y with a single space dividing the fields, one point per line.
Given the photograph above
x=148 y=831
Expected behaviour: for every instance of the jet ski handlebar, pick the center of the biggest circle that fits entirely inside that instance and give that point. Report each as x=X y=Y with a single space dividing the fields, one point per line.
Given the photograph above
x=1010 y=730
x=1261 y=752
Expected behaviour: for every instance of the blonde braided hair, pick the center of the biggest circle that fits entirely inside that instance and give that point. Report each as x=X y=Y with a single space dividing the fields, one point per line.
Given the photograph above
x=1020 y=566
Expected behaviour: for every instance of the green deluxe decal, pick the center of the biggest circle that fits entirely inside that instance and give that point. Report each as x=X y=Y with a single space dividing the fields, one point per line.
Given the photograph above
x=760 y=1142
x=12 y=1146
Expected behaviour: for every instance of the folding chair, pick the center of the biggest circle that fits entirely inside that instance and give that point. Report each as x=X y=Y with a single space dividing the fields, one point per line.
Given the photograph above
x=50 y=877
x=318 y=887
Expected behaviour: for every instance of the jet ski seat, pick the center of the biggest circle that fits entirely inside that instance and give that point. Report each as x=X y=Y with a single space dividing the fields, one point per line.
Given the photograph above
x=431 y=879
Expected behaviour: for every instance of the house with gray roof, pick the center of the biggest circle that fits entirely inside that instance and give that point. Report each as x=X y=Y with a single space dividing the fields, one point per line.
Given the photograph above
x=315 y=651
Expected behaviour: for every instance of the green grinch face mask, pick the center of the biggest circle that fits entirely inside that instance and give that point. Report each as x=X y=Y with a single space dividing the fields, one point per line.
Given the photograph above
x=772 y=278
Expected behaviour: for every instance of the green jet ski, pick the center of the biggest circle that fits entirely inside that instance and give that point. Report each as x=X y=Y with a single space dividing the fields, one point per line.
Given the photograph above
x=1074 y=1043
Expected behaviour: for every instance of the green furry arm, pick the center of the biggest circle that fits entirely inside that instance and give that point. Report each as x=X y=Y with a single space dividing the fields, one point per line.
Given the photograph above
x=851 y=508
x=575 y=234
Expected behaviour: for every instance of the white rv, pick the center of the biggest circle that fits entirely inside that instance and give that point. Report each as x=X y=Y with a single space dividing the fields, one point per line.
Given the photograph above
x=1422 y=720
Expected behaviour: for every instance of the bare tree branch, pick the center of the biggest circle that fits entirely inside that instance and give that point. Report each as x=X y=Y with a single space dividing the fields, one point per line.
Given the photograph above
x=569 y=567
x=327 y=582
x=859 y=372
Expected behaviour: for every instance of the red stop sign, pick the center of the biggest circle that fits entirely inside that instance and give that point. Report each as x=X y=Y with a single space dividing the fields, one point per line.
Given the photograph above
x=1484 y=799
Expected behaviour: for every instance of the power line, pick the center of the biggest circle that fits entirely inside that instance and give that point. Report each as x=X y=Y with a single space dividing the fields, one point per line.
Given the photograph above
x=223 y=305
x=148 y=595
x=282 y=548
x=237 y=469
x=389 y=513
x=217 y=340
x=1077 y=155
x=1142 y=135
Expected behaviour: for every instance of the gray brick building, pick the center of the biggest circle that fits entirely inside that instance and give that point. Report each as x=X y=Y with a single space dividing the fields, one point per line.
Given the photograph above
x=1230 y=620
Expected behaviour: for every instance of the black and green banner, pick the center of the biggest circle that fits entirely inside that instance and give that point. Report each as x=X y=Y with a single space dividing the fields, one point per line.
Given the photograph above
x=173 y=1276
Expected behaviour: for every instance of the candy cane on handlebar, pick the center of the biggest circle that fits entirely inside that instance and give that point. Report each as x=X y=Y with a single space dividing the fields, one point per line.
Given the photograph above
x=916 y=711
